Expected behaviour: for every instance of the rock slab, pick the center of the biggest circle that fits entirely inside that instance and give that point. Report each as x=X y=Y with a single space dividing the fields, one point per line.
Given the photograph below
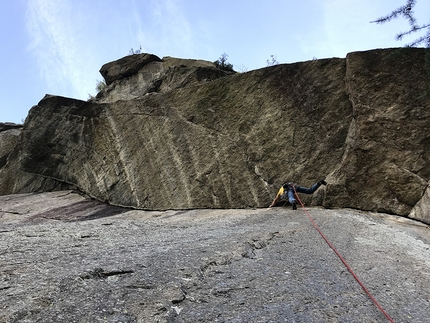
x=66 y=258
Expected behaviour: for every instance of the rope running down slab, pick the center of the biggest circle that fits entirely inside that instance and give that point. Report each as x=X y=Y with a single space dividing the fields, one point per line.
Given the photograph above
x=343 y=260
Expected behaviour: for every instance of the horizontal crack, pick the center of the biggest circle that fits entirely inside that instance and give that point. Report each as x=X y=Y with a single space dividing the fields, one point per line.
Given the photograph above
x=101 y=273
x=10 y=212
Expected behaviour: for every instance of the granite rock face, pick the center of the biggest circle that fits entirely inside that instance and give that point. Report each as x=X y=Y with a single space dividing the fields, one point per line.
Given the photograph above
x=421 y=210
x=385 y=166
x=9 y=136
x=65 y=258
x=181 y=134
x=126 y=67
x=12 y=177
x=135 y=75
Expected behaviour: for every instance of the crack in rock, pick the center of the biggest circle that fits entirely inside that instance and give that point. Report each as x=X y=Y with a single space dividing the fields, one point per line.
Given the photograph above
x=101 y=273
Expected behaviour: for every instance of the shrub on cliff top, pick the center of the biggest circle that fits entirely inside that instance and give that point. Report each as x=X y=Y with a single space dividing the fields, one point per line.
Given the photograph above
x=222 y=63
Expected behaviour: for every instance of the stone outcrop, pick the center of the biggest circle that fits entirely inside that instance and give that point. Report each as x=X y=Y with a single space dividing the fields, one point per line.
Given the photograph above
x=180 y=134
x=126 y=67
x=385 y=166
x=135 y=75
x=4 y=126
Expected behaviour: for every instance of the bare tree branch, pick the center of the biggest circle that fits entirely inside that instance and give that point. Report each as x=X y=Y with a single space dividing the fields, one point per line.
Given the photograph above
x=407 y=13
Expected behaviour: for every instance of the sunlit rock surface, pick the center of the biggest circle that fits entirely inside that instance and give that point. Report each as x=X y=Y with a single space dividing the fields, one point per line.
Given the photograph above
x=66 y=258
x=180 y=134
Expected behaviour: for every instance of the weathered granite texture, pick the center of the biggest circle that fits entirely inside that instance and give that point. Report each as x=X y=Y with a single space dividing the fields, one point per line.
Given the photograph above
x=385 y=166
x=126 y=67
x=12 y=177
x=135 y=75
x=421 y=211
x=9 y=136
x=201 y=138
x=65 y=258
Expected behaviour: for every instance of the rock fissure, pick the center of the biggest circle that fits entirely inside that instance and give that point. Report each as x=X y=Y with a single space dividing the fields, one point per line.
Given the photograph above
x=10 y=212
x=102 y=273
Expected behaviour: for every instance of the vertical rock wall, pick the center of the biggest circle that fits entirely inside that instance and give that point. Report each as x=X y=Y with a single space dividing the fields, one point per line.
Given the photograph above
x=230 y=142
x=385 y=166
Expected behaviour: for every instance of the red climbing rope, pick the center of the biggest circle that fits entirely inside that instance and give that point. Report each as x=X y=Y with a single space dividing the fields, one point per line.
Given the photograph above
x=343 y=260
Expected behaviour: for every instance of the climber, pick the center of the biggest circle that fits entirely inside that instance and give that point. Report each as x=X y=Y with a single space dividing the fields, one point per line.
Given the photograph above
x=287 y=191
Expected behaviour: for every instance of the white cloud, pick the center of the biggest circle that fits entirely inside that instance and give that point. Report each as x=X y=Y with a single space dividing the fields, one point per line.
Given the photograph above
x=71 y=39
x=57 y=42
x=46 y=39
x=174 y=30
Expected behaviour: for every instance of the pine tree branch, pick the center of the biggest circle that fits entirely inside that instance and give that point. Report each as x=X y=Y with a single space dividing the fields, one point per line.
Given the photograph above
x=407 y=13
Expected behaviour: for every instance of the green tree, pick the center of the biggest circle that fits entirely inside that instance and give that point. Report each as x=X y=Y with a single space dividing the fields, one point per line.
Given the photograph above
x=222 y=63
x=100 y=85
x=407 y=13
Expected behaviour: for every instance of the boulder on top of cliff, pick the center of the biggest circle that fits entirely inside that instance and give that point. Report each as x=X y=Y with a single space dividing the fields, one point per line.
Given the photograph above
x=126 y=66
x=136 y=75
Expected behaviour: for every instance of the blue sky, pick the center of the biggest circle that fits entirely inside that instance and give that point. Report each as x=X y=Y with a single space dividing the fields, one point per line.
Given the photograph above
x=58 y=46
